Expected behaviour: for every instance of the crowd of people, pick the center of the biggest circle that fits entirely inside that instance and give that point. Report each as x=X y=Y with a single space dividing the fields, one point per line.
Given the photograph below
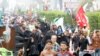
x=39 y=38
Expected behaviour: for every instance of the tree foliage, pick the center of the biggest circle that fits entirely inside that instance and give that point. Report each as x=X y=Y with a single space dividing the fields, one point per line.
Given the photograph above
x=94 y=20
x=51 y=15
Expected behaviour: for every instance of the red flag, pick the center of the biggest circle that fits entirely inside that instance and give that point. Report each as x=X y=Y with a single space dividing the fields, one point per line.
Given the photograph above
x=81 y=18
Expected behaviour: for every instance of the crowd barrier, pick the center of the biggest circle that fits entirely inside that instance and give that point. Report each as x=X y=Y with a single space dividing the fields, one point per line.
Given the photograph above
x=93 y=53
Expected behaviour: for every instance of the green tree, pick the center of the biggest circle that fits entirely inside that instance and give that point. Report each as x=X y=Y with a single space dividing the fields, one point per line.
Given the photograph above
x=94 y=20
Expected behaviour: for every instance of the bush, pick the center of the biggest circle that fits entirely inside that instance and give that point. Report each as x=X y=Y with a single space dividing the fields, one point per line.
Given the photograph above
x=51 y=15
x=94 y=20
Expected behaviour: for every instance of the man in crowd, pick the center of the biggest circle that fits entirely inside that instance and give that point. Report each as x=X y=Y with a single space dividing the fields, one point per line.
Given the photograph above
x=75 y=42
x=64 y=37
x=34 y=44
x=96 y=43
x=48 y=49
x=83 y=44
x=64 y=50
x=56 y=46
x=49 y=33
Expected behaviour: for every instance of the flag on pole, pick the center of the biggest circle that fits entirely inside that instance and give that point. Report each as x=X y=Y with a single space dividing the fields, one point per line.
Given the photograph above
x=43 y=19
x=81 y=18
x=59 y=22
x=55 y=20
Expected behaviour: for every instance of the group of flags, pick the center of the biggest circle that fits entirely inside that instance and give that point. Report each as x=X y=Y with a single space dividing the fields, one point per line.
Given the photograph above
x=81 y=19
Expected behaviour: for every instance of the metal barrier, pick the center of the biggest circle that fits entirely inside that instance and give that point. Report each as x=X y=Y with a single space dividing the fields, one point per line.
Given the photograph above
x=97 y=52
x=85 y=53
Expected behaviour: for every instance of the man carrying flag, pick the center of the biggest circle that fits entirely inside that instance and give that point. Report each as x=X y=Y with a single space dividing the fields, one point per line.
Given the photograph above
x=82 y=19
x=82 y=22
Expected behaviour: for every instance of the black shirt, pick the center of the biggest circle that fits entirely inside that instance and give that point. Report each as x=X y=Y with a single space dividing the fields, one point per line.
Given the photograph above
x=76 y=41
x=64 y=38
x=83 y=44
